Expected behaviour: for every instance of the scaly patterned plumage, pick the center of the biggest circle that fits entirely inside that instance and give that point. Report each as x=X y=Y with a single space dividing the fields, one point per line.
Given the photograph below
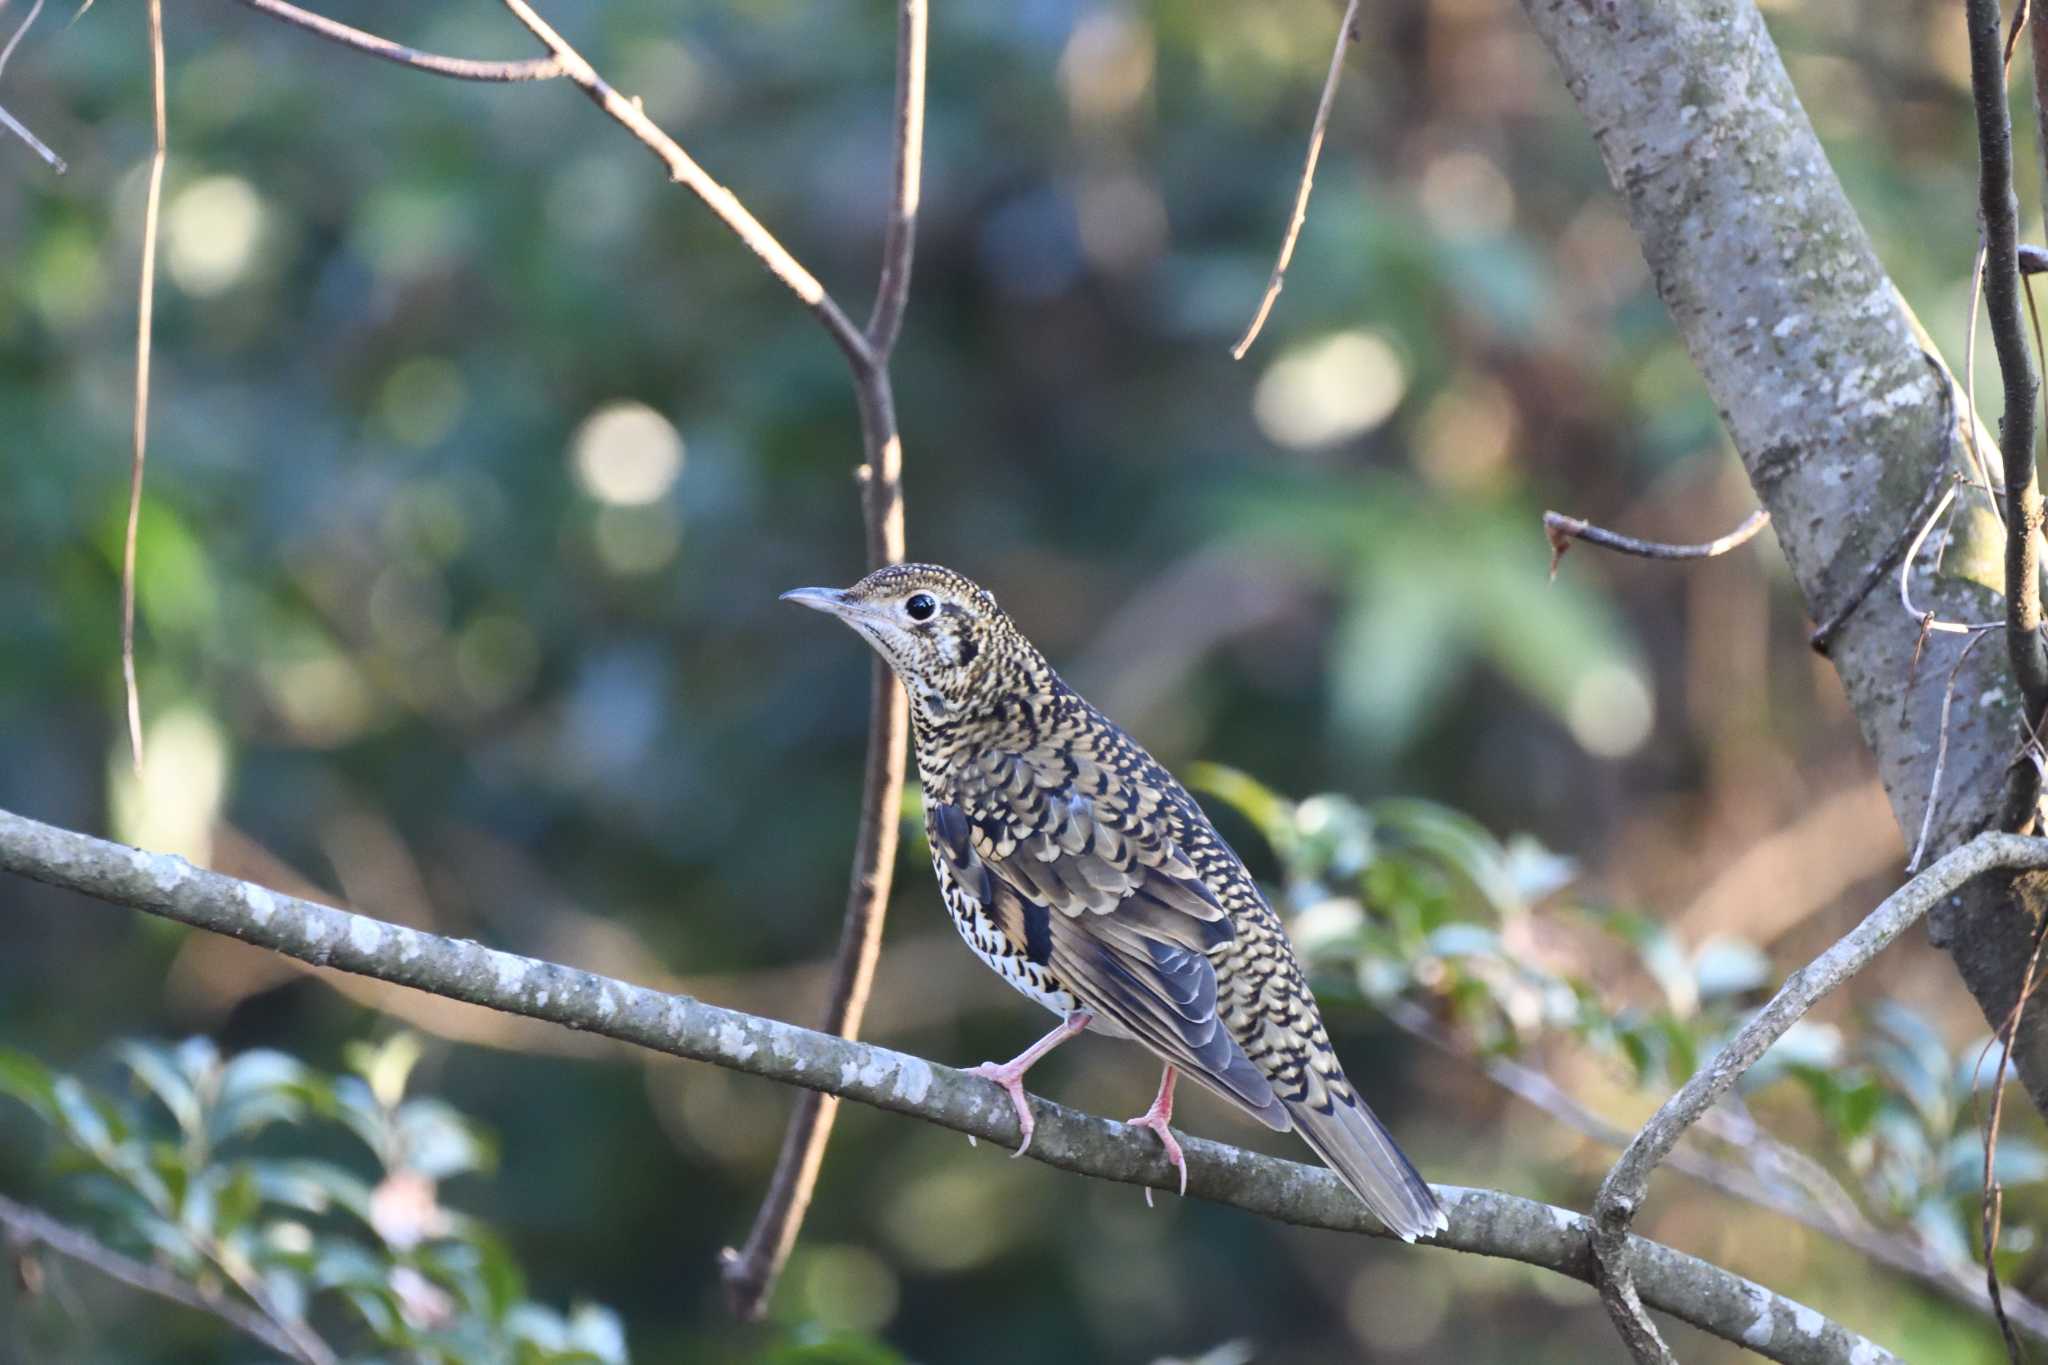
x=1079 y=870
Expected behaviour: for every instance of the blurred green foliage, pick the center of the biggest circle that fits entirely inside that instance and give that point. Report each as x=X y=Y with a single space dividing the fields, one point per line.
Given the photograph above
x=1410 y=901
x=479 y=454
x=284 y=1232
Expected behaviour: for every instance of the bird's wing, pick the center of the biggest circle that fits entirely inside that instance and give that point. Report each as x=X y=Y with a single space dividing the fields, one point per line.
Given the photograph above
x=1092 y=886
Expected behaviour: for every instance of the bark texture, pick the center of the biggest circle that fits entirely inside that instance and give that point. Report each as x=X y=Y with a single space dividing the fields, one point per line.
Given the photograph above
x=1481 y=1221
x=1820 y=372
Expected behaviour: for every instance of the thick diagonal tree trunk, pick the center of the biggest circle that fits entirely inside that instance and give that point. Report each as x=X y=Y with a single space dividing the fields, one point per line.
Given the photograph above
x=1817 y=366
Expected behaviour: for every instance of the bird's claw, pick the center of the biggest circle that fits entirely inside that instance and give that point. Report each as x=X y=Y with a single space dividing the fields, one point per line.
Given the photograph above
x=1157 y=1123
x=1012 y=1082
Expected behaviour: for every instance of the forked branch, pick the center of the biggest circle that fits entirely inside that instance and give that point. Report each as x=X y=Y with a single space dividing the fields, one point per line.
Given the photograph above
x=1621 y=1194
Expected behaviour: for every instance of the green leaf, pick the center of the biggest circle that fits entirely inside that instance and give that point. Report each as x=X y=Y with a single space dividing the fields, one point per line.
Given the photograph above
x=198 y=1209
x=1535 y=871
x=310 y=1186
x=1941 y=1227
x=386 y=1068
x=342 y=1264
x=237 y=1201
x=359 y=1111
x=438 y=1142
x=29 y=1081
x=378 y=1310
x=1461 y=939
x=1725 y=966
x=1270 y=813
x=2019 y=1161
x=597 y=1332
x=1462 y=845
x=158 y=1071
x=83 y=1120
x=261 y=1087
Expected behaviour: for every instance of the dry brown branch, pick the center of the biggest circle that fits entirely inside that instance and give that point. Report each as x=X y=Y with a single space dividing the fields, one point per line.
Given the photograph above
x=2000 y=217
x=1562 y=530
x=27 y=1228
x=750 y=1271
x=722 y=202
x=456 y=68
x=145 y=310
x=1347 y=34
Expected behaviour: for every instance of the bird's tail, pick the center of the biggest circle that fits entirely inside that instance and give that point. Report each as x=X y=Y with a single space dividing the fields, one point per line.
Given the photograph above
x=1356 y=1145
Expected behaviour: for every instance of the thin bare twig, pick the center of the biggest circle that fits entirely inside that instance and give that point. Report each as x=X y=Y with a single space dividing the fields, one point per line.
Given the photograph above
x=306 y=1344
x=7 y=120
x=1562 y=530
x=456 y=68
x=145 y=313
x=35 y=144
x=1622 y=1192
x=1347 y=34
x=27 y=1227
x=750 y=1272
x=2000 y=217
x=1929 y=623
x=7 y=53
x=1978 y=466
x=1905 y=542
x=1948 y=696
x=722 y=202
x=1993 y=1192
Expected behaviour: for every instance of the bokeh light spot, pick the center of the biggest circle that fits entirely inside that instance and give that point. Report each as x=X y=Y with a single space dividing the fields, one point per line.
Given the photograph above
x=1107 y=66
x=1610 y=711
x=626 y=454
x=1122 y=222
x=495 y=660
x=849 y=1288
x=636 y=540
x=322 y=698
x=211 y=231
x=171 y=807
x=1465 y=195
x=67 y=279
x=421 y=400
x=1329 y=390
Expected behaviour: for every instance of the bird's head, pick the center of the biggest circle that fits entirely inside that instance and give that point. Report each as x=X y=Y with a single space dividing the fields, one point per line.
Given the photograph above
x=943 y=634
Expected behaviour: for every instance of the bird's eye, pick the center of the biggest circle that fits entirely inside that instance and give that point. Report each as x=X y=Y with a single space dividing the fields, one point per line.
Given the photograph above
x=920 y=607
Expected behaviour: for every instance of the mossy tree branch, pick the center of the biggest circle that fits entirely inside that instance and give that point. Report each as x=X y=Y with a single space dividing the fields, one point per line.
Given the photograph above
x=1482 y=1222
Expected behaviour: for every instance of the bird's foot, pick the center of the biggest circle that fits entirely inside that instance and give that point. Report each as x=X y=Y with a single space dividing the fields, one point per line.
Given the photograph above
x=1157 y=1123
x=1010 y=1076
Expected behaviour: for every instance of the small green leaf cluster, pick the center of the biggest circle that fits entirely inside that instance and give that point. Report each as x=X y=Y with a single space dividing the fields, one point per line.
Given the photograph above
x=220 y=1169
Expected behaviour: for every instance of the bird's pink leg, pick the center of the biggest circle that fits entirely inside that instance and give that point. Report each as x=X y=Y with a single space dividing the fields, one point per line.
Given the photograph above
x=1010 y=1075
x=1156 y=1118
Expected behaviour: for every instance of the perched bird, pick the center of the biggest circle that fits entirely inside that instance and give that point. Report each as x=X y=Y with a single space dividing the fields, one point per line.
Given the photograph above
x=1087 y=877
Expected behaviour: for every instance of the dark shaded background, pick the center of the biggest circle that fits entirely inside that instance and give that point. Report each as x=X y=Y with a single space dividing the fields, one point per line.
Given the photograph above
x=431 y=623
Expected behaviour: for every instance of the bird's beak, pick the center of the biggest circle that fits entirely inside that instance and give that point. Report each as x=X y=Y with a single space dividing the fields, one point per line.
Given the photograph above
x=833 y=601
